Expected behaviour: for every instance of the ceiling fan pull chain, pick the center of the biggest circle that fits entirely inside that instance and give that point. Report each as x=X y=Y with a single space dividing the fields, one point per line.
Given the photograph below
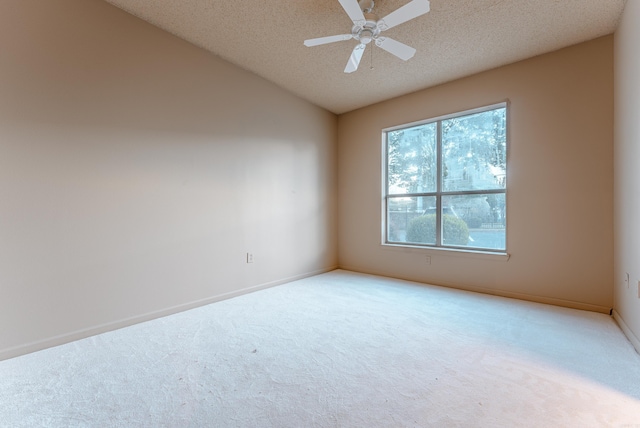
x=371 y=66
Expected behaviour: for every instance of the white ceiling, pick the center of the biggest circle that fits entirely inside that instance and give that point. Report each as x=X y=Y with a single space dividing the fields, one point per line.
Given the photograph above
x=456 y=39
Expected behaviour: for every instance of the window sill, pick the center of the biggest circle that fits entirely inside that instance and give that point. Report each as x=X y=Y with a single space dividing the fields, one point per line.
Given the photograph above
x=452 y=252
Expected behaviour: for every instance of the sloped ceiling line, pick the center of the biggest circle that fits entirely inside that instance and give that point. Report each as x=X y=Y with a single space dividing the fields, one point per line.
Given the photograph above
x=456 y=38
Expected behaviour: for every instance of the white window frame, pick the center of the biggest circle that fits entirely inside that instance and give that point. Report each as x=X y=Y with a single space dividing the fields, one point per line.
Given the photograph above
x=439 y=193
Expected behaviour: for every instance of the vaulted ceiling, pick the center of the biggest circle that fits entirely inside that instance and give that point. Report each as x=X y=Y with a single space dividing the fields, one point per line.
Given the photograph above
x=456 y=38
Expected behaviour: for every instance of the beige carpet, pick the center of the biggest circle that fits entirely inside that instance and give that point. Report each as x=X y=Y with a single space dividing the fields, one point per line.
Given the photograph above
x=338 y=350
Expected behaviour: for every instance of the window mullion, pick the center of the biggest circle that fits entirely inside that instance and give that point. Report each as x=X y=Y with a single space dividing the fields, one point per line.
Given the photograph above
x=474 y=192
x=439 y=184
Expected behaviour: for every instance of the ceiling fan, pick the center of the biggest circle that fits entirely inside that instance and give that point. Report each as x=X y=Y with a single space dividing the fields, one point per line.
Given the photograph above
x=367 y=28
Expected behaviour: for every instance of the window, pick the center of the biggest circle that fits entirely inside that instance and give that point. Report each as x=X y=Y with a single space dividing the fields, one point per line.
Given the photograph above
x=446 y=183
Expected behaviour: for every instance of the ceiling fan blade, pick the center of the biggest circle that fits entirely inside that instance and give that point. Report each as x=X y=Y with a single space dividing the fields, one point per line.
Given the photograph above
x=353 y=10
x=354 y=60
x=396 y=48
x=407 y=12
x=328 y=39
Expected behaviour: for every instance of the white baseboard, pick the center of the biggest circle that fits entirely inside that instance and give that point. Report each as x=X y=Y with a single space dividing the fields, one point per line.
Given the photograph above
x=92 y=331
x=627 y=331
x=501 y=293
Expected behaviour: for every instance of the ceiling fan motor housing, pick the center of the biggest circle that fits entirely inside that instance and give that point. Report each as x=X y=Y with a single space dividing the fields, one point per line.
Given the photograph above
x=366 y=5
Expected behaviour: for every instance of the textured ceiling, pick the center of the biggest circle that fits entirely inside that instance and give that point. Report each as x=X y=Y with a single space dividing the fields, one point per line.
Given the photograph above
x=456 y=39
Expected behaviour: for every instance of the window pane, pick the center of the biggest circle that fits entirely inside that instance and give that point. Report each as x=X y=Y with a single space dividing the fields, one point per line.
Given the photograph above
x=411 y=220
x=483 y=217
x=474 y=151
x=412 y=159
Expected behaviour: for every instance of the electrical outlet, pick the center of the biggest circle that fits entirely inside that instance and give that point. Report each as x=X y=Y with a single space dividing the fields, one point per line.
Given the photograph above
x=249 y=257
x=427 y=260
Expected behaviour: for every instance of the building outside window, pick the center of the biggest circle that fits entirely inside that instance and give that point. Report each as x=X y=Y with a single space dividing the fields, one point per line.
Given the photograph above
x=445 y=181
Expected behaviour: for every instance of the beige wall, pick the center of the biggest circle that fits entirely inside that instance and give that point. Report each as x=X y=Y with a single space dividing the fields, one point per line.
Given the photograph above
x=560 y=181
x=627 y=172
x=137 y=170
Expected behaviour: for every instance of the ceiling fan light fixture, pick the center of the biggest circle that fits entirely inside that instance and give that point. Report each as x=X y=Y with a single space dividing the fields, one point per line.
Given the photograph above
x=366 y=36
